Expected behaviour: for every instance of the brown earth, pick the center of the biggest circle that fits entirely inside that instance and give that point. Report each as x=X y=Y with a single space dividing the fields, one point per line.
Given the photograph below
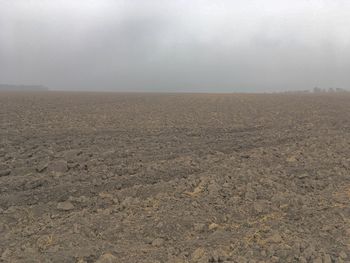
x=107 y=177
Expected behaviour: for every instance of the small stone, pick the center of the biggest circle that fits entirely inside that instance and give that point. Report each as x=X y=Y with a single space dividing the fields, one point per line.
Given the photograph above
x=59 y=166
x=105 y=195
x=5 y=256
x=250 y=195
x=343 y=255
x=41 y=167
x=160 y=225
x=302 y=176
x=291 y=159
x=3 y=166
x=195 y=204
x=259 y=207
x=107 y=258
x=199 y=227
x=213 y=226
x=76 y=229
x=310 y=251
x=198 y=254
x=5 y=172
x=327 y=259
x=11 y=210
x=44 y=242
x=128 y=201
x=318 y=260
x=241 y=259
x=219 y=255
x=347 y=231
x=177 y=260
x=213 y=188
x=71 y=155
x=65 y=206
x=157 y=242
x=275 y=238
x=275 y=259
x=116 y=200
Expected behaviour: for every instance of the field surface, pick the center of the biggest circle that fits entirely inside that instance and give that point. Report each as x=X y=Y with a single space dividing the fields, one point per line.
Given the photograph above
x=108 y=177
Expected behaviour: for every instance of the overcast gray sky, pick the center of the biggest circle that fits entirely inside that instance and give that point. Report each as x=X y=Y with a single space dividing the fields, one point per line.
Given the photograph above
x=176 y=45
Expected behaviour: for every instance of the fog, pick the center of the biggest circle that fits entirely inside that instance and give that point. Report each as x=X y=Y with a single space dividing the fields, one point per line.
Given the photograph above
x=175 y=46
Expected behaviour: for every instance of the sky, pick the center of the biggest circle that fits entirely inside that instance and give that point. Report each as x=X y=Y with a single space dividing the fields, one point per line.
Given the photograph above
x=176 y=46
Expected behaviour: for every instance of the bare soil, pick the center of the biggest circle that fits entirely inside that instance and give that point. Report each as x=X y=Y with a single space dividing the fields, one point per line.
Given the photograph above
x=108 y=177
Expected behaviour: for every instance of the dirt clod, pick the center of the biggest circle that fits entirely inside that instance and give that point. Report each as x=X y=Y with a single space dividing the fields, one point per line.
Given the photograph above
x=198 y=254
x=5 y=172
x=59 y=166
x=158 y=242
x=107 y=258
x=65 y=206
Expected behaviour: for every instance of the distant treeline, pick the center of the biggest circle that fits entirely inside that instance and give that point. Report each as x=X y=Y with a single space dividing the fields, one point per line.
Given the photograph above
x=9 y=87
x=317 y=90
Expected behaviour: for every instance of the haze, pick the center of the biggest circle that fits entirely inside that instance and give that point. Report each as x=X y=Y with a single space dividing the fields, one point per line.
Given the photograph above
x=182 y=46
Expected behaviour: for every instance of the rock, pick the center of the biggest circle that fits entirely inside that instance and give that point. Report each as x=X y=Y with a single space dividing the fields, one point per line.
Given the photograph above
x=213 y=188
x=59 y=166
x=198 y=254
x=347 y=231
x=343 y=255
x=105 y=195
x=213 y=226
x=81 y=199
x=275 y=238
x=5 y=172
x=219 y=255
x=199 y=227
x=327 y=259
x=128 y=201
x=160 y=225
x=65 y=206
x=76 y=229
x=41 y=167
x=241 y=259
x=310 y=251
x=176 y=260
x=71 y=155
x=302 y=176
x=317 y=260
x=5 y=256
x=259 y=206
x=250 y=195
x=116 y=200
x=4 y=166
x=44 y=242
x=34 y=184
x=158 y=242
x=29 y=253
x=107 y=258
x=291 y=159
